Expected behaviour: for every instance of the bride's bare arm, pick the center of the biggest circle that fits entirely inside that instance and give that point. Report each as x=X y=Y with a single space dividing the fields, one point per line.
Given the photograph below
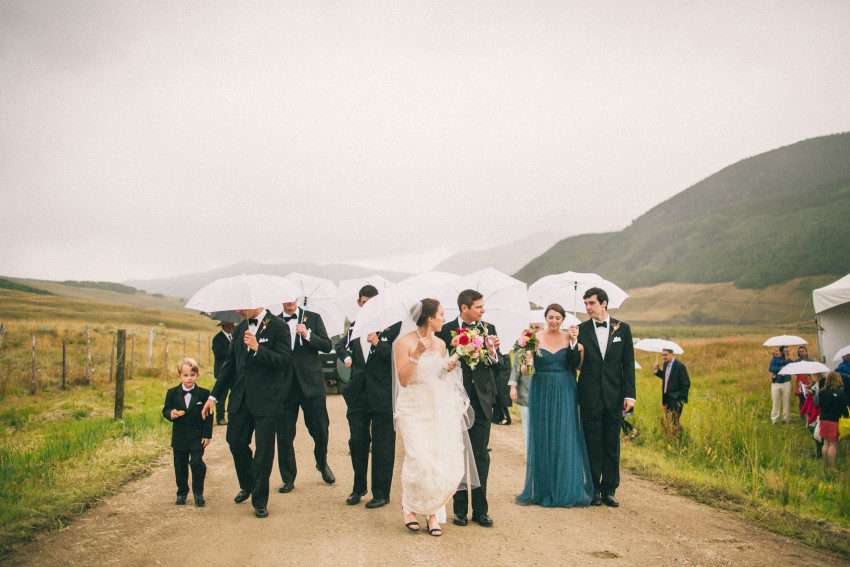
x=407 y=354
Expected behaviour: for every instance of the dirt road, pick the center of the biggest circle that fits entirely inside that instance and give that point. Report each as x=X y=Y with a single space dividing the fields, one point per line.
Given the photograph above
x=313 y=526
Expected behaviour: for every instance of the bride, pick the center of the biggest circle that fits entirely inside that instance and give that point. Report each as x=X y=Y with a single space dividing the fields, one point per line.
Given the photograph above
x=431 y=415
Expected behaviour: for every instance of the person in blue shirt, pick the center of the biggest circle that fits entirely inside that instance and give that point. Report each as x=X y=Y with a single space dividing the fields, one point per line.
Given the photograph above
x=780 y=388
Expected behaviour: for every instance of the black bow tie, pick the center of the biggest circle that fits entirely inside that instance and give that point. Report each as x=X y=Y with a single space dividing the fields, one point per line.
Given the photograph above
x=189 y=391
x=252 y=321
x=289 y=318
x=602 y=324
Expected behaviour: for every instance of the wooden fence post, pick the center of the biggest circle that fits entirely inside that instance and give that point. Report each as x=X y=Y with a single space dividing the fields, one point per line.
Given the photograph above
x=119 y=374
x=32 y=384
x=112 y=359
x=166 y=356
x=132 y=355
x=150 y=350
x=199 y=347
x=2 y=330
x=184 y=348
x=88 y=355
x=63 y=364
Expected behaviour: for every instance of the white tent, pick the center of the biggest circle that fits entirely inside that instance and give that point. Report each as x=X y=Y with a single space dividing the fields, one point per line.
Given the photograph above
x=832 y=305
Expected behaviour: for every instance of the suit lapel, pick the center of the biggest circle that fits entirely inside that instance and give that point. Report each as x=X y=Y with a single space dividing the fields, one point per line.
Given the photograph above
x=593 y=338
x=611 y=326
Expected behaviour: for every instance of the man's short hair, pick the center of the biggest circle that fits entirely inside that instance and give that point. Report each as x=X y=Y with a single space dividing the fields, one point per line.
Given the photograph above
x=667 y=350
x=600 y=294
x=367 y=290
x=467 y=297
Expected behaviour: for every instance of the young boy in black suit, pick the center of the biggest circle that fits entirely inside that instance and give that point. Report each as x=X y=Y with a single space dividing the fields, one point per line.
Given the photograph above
x=190 y=432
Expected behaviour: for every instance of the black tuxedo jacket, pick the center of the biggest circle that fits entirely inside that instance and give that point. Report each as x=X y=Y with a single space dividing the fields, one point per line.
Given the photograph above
x=305 y=356
x=220 y=346
x=603 y=384
x=678 y=385
x=374 y=375
x=258 y=382
x=188 y=429
x=482 y=380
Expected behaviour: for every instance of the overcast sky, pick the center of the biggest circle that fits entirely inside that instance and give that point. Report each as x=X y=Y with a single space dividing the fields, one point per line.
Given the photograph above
x=155 y=138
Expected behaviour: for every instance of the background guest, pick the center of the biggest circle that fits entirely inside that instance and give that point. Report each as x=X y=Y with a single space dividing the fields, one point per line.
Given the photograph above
x=803 y=380
x=833 y=405
x=220 y=345
x=780 y=388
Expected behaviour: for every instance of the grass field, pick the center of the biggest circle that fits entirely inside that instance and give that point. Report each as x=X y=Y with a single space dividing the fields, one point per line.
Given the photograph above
x=61 y=451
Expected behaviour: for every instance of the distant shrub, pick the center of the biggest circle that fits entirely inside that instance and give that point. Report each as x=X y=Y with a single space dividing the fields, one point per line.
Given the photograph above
x=6 y=284
x=107 y=286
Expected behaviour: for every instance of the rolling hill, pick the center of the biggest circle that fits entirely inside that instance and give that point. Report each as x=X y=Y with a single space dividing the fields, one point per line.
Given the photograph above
x=765 y=220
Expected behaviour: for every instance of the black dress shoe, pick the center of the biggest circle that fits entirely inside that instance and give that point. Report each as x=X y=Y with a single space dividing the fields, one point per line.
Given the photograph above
x=261 y=512
x=242 y=496
x=327 y=474
x=460 y=520
x=610 y=501
x=286 y=487
x=597 y=499
x=377 y=502
x=354 y=498
x=199 y=500
x=483 y=520
x=181 y=499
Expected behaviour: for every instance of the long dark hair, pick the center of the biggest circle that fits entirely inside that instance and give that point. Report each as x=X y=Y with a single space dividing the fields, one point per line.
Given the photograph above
x=429 y=309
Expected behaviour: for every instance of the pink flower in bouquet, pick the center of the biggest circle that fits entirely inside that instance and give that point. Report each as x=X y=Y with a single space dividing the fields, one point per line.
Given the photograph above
x=477 y=342
x=455 y=340
x=521 y=341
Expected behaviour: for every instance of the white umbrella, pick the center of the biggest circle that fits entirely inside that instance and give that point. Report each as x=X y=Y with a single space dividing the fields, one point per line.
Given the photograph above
x=505 y=301
x=785 y=340
x=224 y=316
x=243 y=292
x=658 y=345
x=394 y=304
x=319 y=295
x=346 y=300
x=804 y=367
x=568 y=288
x=841 y=353
x=638 y=366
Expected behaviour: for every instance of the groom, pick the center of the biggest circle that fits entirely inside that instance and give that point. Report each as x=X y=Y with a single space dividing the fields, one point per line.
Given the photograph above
x=480 y=385
x=606 y=387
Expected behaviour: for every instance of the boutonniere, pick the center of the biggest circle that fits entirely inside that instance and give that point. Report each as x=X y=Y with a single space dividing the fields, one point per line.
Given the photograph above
x=615 y=327
x=265 y=323
x=304 y=320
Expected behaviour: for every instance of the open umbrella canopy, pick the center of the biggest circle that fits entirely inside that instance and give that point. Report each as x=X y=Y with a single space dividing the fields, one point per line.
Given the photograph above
x=346 y=300
x=505 y=302
x=841 y=353
x=568 y=288
x=318 y=295
x=224 y=316
x=785 y=340
x=638 y=366
x=658 y=345
x=804 y=367
x=243 y=292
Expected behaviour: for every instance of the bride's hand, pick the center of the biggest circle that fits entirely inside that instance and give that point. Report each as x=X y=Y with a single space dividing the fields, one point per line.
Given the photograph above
x=423 y=345
x=529 y=358
x=451 y=365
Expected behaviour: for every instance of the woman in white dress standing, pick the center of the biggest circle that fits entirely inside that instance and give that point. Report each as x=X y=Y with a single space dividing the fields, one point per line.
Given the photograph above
x=431 y=415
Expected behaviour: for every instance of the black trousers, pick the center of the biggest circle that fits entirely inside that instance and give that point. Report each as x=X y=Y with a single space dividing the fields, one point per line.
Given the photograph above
x=253 y=469
x=479 y=438
x=376 y=428
x=317 y=422
x=183 y=461
x=602 y=437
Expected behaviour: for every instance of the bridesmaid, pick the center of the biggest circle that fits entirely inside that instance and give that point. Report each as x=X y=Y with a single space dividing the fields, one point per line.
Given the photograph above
x=558 y=471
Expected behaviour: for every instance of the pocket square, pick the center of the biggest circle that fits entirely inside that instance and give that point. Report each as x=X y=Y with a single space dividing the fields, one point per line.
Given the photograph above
x=263 y=340
x=384 y=339
x=617 y=340
x=199 y=404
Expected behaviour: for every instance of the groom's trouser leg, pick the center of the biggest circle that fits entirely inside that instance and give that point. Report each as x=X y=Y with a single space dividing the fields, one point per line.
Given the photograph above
x=479 y=438
x=265 y=431
x=359 y=440
x=611 y=452
x=240 y=429
x=383 y=453
x=286 y=435
x=318 y=423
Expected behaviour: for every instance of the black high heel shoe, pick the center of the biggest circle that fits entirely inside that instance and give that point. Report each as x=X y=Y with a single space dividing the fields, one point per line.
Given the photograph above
x=412 y=526
x=436 y=532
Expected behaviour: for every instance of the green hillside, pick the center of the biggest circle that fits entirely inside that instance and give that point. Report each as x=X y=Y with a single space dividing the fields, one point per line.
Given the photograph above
x=767 y=219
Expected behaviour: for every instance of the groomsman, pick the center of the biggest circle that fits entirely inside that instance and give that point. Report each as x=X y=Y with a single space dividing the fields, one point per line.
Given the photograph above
x=480 y=385
x=308 y=392
x=606 y=388
x=257 y=373
x=220 y=345
x=369 y=397
x=674 y=386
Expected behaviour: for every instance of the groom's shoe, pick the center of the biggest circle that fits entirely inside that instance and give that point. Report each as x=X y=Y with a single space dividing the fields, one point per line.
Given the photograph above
x=460 y=520
x=286 y=487
x=483 y=520
x=242 y=496
x=377 y=502
x=327 y=474
x=261 y=512
x=610 y=501
x=181 y=500
x=597 y=499
x=354 y=498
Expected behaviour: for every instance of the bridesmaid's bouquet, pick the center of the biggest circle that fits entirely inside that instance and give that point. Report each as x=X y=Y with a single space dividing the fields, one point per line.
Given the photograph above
x=468 y=345
x=527 y=342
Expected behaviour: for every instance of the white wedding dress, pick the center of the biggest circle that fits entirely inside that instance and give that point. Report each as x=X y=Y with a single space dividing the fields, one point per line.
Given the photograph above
x=431 y=417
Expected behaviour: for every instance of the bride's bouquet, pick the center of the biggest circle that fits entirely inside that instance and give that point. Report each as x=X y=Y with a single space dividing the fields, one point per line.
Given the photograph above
x=468 y=344
x=527 y=342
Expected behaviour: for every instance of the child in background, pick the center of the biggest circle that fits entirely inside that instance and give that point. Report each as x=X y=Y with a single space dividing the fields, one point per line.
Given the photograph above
x=190 y=433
